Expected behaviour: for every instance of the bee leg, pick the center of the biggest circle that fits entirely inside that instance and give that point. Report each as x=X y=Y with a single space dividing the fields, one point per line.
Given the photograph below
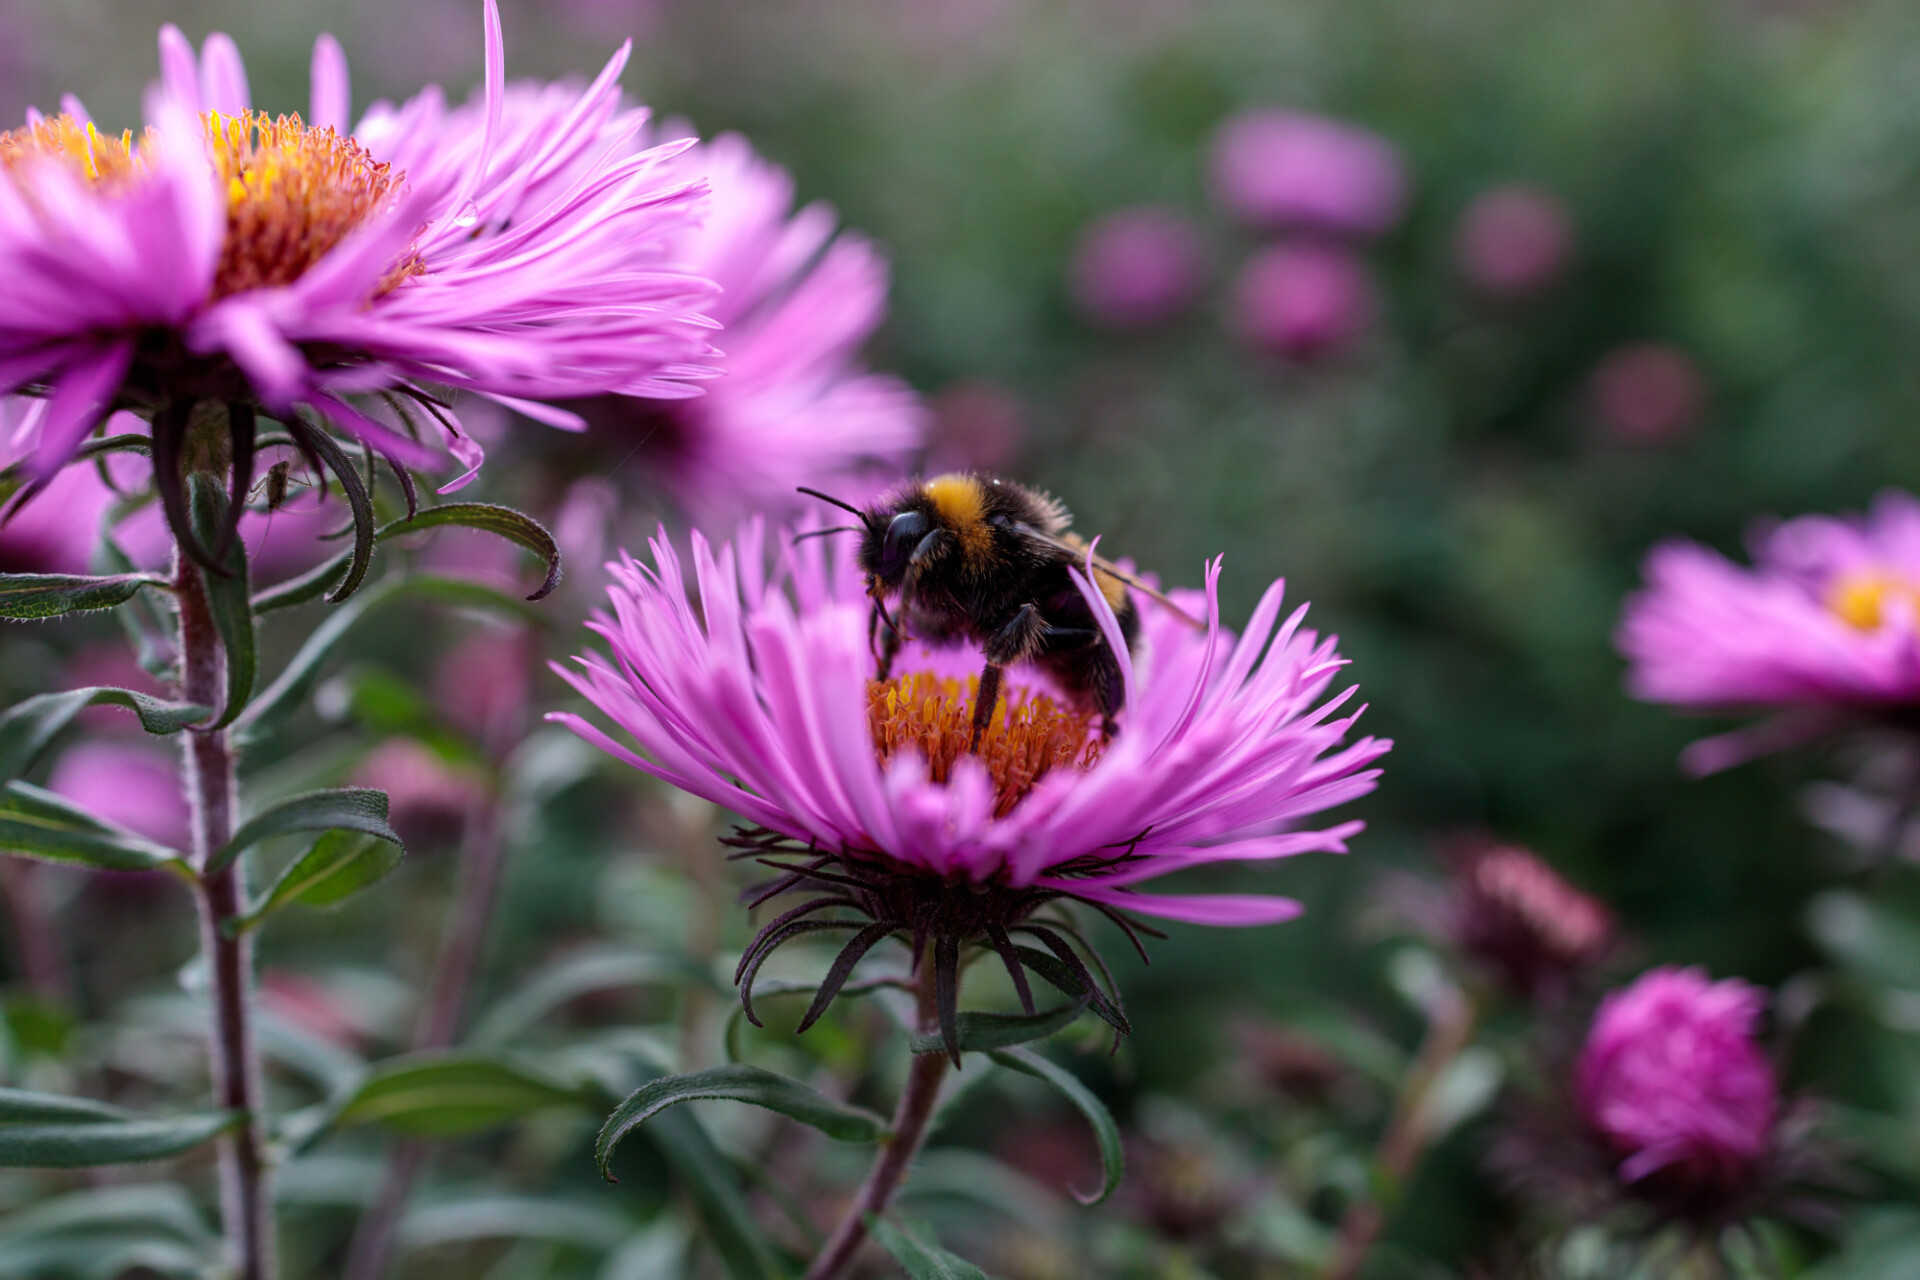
x=889 y=646
x=983 y=705
x=1018 y=639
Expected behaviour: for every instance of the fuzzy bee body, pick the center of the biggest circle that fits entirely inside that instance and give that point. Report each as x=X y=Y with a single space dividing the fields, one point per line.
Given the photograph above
x=974 y=557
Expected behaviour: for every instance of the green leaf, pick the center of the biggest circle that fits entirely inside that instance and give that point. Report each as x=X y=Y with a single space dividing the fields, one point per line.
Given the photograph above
x=562 y=1219
x=512 y=525
x=53 y=1131
x=737 y=1083
x=572 y=976
x=36 y=823
x=295 y=683
x=108 y=1233
x=1106 y=1133
x=227 y=596
x=919 y=1257
x=27 y=727
x=360 y=809
x=359 y=502
x=981 y=1032
x=452 y=1094
x=338 y=865
x=32 y=596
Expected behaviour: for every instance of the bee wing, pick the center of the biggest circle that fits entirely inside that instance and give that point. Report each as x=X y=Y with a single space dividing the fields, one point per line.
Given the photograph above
x=1079 y=553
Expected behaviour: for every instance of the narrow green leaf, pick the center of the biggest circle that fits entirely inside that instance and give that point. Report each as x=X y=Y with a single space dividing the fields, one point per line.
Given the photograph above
x=988 y=1031
x=451 y=1094
x=561 y=1219
x=738 y=1083
x=33 y=596
x=337 y=865
x=228 y=596
x=49 y=1131
x=36 y=823
x=359 y=501
x=295 y=683
x=27 y=727
x=1106 y=1133
x=512 y=525
x=918 y=1256
x=360 y=809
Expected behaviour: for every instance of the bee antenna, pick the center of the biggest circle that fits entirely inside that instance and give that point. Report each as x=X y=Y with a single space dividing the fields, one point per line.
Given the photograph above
x=821 y=533
x=827 y=497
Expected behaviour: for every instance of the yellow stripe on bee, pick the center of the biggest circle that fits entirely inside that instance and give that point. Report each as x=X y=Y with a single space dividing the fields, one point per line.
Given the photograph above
x=961 y=504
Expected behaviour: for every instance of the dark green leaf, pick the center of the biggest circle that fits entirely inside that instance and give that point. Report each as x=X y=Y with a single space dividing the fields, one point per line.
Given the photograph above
x=504 y=521
x=44 y=1130
x=227 y=596
x=986 y=1031
x=1105 y=1131
x=451 y=1094
x=682 y=1141
x=918 y=1256
x=32 y=596
x=39 y=824
x=359 y=501
x=738 y=1083
x=293 y=685
x=338 y=865
x=360 y=809
x=27 y=727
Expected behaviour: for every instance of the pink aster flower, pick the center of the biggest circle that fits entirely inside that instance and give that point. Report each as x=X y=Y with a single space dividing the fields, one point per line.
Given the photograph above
x=129 y=783
x=1302 y=301
x=230 y=257
x=1137 y=268
x=759 y=697
x=793 y=404
x=1824 y=627
x=1275 y=169
x=1673 y=1081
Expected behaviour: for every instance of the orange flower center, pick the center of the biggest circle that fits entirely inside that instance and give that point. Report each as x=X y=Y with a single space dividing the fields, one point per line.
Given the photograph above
x=1029 y=737
x=293 y=193
x=1860 y=597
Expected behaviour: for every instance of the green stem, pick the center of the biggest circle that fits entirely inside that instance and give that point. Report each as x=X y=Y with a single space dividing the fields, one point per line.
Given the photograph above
x=911 y=1119
x=212 y=789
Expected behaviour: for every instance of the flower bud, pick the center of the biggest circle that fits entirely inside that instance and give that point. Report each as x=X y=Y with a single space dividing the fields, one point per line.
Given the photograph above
x=1302 y=300
x=1513 y=241
x=1136 y=269
x=1275 y=169
x=1518 y=917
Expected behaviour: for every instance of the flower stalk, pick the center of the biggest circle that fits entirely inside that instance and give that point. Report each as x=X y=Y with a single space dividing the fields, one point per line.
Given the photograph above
x=212 y=789
x=911 y=1120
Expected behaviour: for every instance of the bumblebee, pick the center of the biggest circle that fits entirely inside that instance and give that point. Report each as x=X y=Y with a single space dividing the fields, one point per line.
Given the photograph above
x=975 y=557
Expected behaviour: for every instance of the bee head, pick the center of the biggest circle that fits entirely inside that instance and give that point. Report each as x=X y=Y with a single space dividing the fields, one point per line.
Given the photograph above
x=886 y=550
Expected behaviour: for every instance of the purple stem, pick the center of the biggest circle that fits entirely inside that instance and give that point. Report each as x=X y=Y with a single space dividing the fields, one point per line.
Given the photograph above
x=910 y=1120
x=246 y=1202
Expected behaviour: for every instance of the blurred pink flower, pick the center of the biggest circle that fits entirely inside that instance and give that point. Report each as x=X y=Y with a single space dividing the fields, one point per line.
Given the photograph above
x=1826 y=622
x=1137 y=269
x=1513 y=240
x=1275 y=169
x=1674 y=1082
x=1648 y=393
x=793 y=404
x=131 y=783
x=1302 y=300
x=1518 y=916
x=428 y=799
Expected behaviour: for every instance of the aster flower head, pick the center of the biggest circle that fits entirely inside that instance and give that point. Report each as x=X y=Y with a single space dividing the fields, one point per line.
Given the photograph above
x=1673 y=1082
x=230 y=259
x=1823 y=628
x=760 y=697
x=800 y=296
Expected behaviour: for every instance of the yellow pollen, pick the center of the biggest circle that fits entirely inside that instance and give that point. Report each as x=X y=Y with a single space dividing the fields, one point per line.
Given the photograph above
x=1859 y=598
x=1030 y=736
x=293 y=193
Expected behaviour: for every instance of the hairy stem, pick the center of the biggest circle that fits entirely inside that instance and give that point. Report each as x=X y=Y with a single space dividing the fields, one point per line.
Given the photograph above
x=910 y=1120
x=1449 y=1032
x=456 y=960
x=246 y=1201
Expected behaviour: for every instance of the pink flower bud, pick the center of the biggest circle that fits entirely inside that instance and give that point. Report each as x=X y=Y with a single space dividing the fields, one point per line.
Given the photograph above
x=128 y=783
x=1648 y=393
x=1136 y=269
x=1513 y=241
x=1302 y=300
x=1673 y=1081
x=1281 y=169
